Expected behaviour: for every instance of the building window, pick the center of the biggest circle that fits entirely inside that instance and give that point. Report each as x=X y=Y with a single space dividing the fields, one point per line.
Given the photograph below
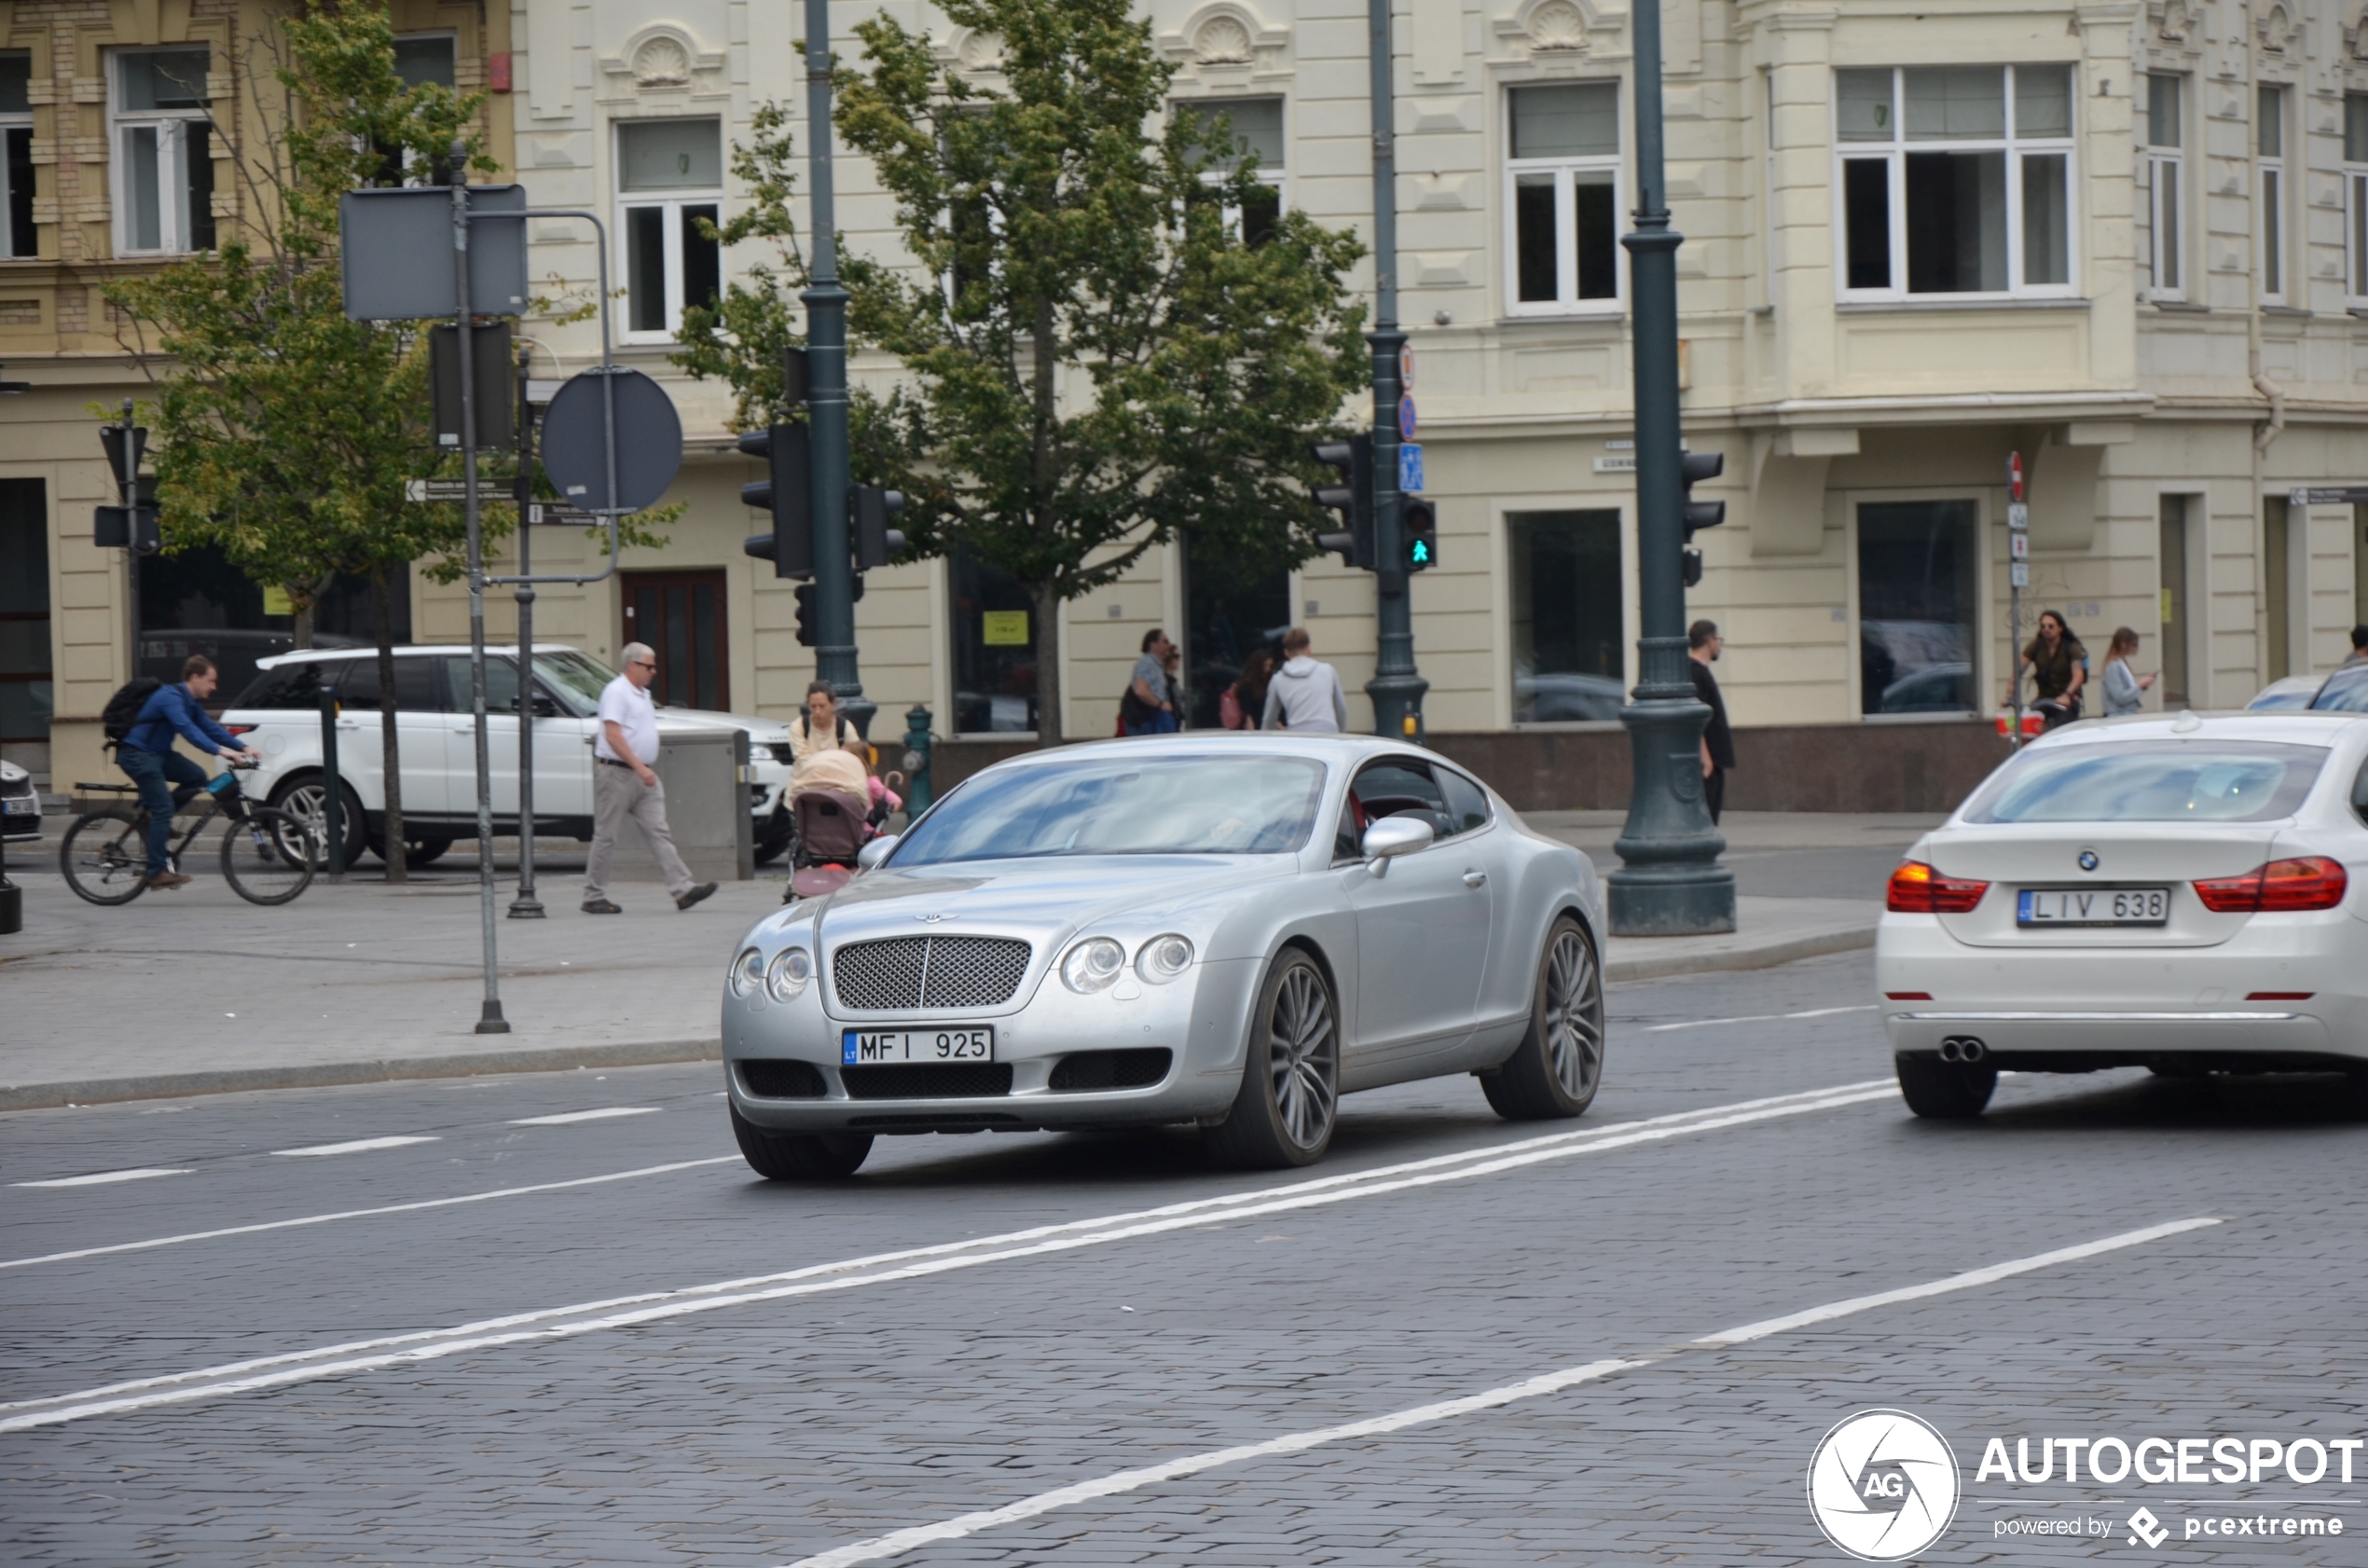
x=669 y=180
x=2269 y=152
x=2166 y=179
x=1233 y=609
x=1955 y=180
x=1562 y=198
x=993 y=648
x=424 y=60
x=1916 y=600
x=2178 y=538
x=16 y=239
x=2356 y=198
x=164 y=152
x=1570 y=635
x=1257 y=130
x=25 y=676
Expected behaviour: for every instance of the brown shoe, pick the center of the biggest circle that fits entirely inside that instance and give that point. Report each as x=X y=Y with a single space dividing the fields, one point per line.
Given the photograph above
x=704 y=891
x=167 y=879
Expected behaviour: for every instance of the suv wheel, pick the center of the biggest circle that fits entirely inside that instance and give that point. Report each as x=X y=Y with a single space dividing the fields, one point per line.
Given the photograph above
x=302 y=799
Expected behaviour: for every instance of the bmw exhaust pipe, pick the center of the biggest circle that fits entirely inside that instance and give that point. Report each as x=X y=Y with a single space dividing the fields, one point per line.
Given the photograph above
x=1962 y=1048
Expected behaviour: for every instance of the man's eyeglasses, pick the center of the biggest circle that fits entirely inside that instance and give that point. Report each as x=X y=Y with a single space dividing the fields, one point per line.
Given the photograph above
x=643 y=664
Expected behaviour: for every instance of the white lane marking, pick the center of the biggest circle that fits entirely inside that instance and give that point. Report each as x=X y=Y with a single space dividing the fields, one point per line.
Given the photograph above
x=362 y=1214
x=358 y=1146
x=1966 y=1281
x=1754 y=1018
x=101 y=1178
x=565 y=1117
x=900 y=1542
x=622 y=1312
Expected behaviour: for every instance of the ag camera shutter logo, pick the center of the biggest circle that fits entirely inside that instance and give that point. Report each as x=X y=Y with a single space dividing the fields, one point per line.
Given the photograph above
x=1883 y=1485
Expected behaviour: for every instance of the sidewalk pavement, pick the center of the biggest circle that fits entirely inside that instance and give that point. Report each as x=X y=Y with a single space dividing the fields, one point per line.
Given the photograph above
x=194 y=991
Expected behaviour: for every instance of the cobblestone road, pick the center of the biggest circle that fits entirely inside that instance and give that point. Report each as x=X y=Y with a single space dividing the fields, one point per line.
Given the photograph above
x=771 y=1430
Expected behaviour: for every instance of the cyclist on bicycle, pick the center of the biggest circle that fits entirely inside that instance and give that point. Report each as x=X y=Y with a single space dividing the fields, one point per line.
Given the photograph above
x=168 y=780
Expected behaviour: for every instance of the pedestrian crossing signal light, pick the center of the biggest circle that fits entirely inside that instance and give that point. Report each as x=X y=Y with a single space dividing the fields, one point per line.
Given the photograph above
x=1352 y=497
x=1696 y=467
x=1418 y=522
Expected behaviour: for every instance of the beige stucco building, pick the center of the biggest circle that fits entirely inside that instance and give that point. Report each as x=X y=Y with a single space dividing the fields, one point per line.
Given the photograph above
x=2126 y=240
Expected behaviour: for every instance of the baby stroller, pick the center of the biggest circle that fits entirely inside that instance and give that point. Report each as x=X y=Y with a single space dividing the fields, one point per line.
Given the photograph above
x=831 y=828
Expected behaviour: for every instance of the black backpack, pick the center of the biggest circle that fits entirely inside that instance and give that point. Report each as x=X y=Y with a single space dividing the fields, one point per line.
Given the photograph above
x=123 y=708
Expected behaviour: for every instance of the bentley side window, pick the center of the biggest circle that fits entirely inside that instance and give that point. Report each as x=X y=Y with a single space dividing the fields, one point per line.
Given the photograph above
x=1396 y=788
x=1467 y=802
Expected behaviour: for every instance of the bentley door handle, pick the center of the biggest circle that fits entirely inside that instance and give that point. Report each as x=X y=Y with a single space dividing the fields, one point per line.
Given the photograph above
x=1475 y=878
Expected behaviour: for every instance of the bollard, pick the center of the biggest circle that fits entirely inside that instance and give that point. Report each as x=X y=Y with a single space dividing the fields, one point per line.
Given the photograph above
x=917 y=762
x=332 y=794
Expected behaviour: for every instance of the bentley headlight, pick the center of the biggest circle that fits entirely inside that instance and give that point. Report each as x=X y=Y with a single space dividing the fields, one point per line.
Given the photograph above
x=748 y=972
x=1164 y=958
x=1093 y=964
x=786 y=976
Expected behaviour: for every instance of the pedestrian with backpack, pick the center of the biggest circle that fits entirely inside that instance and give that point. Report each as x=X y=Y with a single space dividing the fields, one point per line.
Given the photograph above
x=143 y=741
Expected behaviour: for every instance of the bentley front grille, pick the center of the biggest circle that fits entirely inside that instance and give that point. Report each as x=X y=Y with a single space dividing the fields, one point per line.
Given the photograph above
x=901 y=974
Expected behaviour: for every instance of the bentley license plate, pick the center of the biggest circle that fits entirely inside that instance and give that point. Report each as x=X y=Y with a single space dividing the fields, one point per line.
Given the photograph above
x=858 y=1047
x=2093 y=906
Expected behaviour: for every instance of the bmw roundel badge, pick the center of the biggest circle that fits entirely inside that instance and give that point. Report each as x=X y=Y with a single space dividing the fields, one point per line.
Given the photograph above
x=2088 y=860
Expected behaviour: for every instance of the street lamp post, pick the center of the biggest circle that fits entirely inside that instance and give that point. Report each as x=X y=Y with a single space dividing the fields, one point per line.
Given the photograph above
x=1669 y=882
x=1396 y=687
x=825 y=301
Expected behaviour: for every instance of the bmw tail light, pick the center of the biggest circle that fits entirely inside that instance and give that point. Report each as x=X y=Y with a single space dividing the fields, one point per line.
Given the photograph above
x=2281 y=887
x=1916 y=889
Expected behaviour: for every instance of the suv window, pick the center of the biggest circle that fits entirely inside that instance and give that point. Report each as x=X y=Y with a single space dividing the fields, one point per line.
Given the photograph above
x=417 y=686
x=290 y=686
x=1467 y=802
x=459 y=691
x=1397 y=786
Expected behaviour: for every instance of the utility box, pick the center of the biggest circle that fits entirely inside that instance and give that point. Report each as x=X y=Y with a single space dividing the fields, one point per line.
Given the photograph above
x=705 y=773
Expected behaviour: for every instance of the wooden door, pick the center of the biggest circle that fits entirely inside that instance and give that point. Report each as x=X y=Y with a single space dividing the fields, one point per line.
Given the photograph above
x=681 y=615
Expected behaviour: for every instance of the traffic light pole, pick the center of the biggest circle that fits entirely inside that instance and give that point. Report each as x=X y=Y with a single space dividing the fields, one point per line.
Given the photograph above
x=1669 y=883
x=1396 y=687
x=825 y=301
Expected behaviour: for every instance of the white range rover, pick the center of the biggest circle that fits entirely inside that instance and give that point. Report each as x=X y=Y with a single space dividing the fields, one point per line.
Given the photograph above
x=280 y=715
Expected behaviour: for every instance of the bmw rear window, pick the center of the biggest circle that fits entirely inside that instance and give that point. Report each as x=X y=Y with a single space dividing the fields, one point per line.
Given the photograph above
x=2152 y=781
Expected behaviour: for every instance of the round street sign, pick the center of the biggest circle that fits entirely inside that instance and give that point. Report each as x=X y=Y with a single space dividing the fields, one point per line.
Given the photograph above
x=649 y=441
x=1406 y=367
x=1406 y=423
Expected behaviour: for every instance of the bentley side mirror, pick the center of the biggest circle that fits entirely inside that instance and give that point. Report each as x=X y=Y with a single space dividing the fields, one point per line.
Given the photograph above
x=1392 y=837
x=874 y=852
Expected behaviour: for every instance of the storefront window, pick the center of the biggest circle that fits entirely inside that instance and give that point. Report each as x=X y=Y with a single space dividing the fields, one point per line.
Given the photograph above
x=1230 y=613
x=994 y=649
x=1570 y=635
x=1916 y=599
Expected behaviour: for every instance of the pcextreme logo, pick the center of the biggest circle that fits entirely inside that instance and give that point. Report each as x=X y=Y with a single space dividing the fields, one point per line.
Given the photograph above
x=1882 y=1485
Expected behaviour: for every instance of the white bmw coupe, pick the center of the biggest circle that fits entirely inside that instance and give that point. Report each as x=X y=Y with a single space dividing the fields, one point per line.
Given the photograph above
x=2180 y=894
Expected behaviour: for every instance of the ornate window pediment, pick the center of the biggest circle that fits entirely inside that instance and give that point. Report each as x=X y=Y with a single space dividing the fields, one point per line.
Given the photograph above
x=662 y=56
x=1227 y=35
x=1550 y=29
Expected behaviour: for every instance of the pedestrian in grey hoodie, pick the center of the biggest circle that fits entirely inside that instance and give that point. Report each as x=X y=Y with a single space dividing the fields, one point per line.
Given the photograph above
x=1305 y=694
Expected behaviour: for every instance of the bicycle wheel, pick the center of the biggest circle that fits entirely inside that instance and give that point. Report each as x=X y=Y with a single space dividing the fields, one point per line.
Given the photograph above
x=105 y=856
x=270 y=858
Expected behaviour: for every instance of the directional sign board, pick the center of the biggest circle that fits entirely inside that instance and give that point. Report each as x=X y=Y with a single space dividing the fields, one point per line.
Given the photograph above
x=2341 y=495
x=1410 y=468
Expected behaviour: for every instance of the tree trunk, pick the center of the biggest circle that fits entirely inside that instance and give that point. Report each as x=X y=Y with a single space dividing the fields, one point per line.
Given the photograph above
x=390 y=752
x=1048 y=666
x=308 y=610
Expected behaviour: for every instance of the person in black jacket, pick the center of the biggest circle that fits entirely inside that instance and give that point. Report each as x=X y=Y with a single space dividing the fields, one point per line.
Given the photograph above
x=1703 y=643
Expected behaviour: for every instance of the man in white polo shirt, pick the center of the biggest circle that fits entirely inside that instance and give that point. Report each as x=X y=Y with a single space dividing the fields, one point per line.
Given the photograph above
x=625 y=785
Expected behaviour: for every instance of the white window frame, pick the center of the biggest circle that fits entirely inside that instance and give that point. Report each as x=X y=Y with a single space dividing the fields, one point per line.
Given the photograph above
x=1273 y=177
x=2013 y=147
x=1566 y=302
x=175 y=222
x=12 y=122
x=2355 y=207
x=2166 y=188
x=2273 y=195
x=671 y=202
x=413 y=174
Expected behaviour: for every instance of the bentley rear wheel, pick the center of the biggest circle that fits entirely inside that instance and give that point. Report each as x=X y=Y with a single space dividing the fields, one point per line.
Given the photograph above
x=1283 y=1112
x=1555 y=1071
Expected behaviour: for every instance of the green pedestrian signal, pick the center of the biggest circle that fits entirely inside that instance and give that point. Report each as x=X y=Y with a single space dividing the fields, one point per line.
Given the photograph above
x=1418 y=524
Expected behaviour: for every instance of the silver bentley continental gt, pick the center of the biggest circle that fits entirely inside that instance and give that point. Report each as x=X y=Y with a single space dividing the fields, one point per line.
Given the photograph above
x=1227 y=930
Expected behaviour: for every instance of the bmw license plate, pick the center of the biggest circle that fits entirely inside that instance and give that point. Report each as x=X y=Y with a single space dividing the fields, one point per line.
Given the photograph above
x=2093 y=906
x=858 y=1047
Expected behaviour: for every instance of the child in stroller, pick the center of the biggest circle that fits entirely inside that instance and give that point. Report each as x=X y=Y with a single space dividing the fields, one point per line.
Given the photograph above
x=835 y=807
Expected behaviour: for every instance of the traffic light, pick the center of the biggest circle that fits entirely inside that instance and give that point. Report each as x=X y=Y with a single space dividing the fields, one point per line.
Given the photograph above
x=1696 y=467
x=791 y=544
x=1418 y=525
x=1352 y=497
x=132 y=525
x=874 y=540
x=805 y=614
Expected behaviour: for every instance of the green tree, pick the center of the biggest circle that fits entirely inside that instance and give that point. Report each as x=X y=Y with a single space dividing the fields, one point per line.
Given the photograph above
x=285 y=433
x=1098 y=359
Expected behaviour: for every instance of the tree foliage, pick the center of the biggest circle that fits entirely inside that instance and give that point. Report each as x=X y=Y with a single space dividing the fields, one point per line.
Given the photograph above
x=1098 y=360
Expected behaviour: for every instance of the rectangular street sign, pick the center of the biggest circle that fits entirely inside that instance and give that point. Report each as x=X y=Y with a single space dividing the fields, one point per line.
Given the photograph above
x=2340 y=495
x=551 y=513
x=2018 y=573
x=2019 y=545
x=395 y=247
x=2017 y=515
x=440 y=489
x=1410 y=468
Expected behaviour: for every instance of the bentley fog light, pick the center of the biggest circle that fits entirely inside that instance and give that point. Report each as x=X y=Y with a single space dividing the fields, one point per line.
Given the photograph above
x=1093 y=964
x=786 y=976
x=748 y=972
x=1164 y=958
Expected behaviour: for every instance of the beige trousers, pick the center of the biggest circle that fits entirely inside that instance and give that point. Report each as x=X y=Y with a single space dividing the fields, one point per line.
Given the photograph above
x=617 y=794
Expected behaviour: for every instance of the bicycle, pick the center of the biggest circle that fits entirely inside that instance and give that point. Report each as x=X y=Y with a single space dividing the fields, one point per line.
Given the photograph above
x=105 y=853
